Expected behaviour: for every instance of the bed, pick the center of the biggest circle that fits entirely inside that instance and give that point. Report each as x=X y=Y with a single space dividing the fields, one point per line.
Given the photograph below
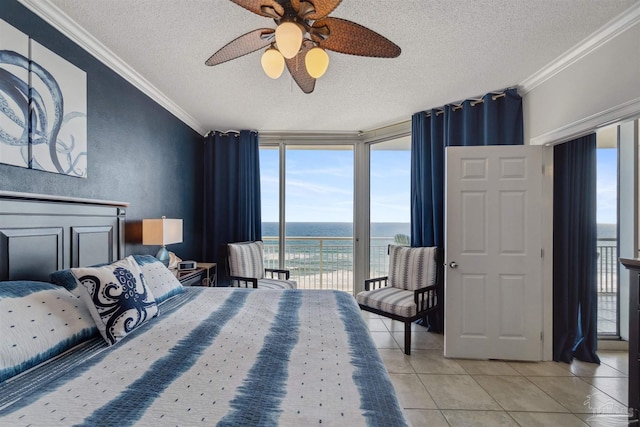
x=205 y=356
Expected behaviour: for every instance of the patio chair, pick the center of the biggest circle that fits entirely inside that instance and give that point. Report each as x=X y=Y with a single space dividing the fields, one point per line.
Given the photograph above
x=246 y=268
x=409 y=292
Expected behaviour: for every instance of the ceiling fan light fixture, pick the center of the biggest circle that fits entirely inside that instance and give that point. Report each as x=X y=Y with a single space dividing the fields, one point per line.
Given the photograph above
x=272 y=63
x=288 y=39
x=316 y=61
x=303 y=29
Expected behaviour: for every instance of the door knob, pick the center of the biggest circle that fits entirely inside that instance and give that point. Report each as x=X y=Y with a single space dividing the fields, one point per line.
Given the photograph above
x=453 y=264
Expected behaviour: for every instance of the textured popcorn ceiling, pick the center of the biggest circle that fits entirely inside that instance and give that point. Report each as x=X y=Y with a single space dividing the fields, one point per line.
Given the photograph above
x=451 y=50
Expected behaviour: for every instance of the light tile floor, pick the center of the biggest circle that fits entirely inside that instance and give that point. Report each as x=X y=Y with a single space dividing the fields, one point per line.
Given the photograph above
x=436 y=391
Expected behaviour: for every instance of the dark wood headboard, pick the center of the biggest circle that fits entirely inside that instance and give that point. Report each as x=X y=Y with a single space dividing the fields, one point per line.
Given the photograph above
x=40 y=234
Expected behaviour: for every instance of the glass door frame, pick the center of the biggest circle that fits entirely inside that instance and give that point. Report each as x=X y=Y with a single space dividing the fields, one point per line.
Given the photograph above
x=361 y=142
x=352 y=140
x=363 y=196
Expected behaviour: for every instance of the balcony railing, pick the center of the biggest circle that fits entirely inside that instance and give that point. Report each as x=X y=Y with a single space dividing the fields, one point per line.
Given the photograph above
x=607 y=266
x=327 y=262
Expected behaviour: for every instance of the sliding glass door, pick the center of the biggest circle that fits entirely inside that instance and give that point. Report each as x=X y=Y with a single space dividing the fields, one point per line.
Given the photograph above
x=607 y=231
x=270 y=207
x=307 y=212
x=389 y=189
x=617 y=207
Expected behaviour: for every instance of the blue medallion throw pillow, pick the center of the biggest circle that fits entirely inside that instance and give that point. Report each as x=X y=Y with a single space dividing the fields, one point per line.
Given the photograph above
x=117 y=297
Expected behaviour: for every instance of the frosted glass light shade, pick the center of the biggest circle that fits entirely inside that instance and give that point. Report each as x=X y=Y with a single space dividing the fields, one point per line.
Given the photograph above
x=272 y=63
x=288 y=39
x=317 y=61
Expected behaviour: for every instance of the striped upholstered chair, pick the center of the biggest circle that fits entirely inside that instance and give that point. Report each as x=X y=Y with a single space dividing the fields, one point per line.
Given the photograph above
x=246 y=268
x=409 y=292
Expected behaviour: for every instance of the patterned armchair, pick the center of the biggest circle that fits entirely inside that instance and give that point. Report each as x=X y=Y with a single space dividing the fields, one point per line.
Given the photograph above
x=409 y=292
x=246 y=268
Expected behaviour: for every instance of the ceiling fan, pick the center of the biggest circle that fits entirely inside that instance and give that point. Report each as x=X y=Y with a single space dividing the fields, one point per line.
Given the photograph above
x=304 y=32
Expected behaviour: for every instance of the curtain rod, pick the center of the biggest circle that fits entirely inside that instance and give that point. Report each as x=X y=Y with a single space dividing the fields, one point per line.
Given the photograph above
x=227 y=132
x=474 y=101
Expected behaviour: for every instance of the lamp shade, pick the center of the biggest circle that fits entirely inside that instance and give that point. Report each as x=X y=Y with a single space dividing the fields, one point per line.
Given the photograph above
x=288 y=39
x=272 y=63
x=164 y=231
x=316 y=61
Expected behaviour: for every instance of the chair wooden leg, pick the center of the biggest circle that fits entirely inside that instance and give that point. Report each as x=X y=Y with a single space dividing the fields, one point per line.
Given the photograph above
x=407 y=338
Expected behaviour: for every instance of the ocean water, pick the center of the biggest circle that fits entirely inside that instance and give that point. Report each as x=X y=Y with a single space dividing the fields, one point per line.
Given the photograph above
x=334 y=229
x=607 y=231
x=306 y=259
x=379 y=229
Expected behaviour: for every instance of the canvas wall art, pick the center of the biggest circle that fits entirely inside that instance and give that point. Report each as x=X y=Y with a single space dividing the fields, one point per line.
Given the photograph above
x=43 y=107
x=58 y=104
x=14 y=96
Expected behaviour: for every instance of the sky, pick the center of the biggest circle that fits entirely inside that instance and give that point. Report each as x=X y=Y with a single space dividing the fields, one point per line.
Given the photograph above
x=320 y=185
x=390 y=179
x=607 y=185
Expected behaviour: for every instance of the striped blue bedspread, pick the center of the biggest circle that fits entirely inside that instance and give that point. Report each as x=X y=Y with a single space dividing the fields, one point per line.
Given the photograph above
x=219 y=356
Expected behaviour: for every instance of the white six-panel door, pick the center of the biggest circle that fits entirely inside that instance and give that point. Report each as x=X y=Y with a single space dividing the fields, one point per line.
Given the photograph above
x=493 y=253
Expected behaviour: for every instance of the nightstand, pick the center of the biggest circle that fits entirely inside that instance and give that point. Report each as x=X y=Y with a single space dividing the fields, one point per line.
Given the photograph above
x=212 y=273
x=206 y=274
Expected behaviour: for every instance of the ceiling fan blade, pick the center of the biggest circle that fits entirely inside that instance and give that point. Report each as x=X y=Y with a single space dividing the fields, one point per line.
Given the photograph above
x=322 y=7
x=241 y=46
x=298 y=70
x=261 y=7
x=354 y=39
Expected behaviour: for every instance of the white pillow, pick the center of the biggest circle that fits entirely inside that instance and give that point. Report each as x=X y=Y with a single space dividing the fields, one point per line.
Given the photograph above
x=39 y=321
x=162 y=282
x=117 y=297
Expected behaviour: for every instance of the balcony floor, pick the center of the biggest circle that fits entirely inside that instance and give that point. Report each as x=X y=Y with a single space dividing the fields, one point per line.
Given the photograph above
x=607 y=308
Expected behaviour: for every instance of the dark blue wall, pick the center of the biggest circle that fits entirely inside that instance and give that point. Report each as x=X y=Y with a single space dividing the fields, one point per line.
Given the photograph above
x=138 y=152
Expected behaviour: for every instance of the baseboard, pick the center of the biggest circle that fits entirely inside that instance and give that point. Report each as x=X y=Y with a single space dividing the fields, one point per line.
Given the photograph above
x=613 y=345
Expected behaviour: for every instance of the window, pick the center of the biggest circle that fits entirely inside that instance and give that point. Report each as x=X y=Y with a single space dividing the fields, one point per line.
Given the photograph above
x=390 y=186
x=607 y=229
x=317 y=210
x=270 y=205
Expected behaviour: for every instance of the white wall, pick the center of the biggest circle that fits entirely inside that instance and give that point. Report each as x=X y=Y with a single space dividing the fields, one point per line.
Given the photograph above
x=595 y=85
x=601 y=87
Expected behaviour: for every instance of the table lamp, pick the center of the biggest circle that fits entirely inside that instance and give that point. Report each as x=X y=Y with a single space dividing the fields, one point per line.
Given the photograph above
x=163 y=231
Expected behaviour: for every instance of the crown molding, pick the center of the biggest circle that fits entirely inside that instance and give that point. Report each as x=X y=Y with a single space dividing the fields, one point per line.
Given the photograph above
x=68 y=27
x=317 y=137
x=622 y=112
x=384 y=133
x=387 y=133
x=613 y=28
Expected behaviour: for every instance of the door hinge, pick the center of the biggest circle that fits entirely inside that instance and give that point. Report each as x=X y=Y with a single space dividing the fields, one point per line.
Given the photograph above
x=541 y=335
x=542 y=169
x=541 y=253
